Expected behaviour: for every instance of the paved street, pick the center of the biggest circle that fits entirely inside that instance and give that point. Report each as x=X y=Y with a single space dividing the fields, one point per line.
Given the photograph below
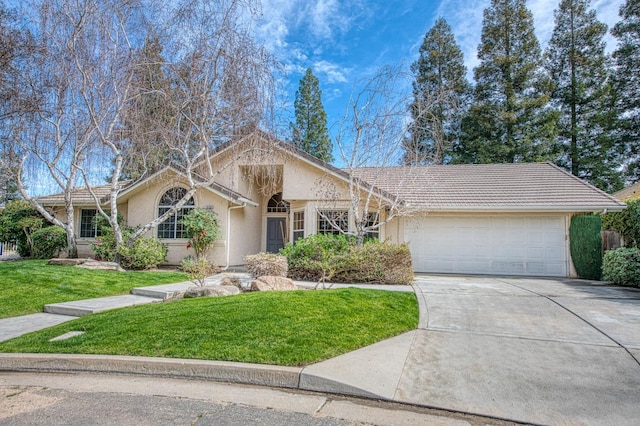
x=82 y=399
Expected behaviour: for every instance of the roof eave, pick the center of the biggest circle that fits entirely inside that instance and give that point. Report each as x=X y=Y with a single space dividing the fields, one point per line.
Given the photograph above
x=524 y=209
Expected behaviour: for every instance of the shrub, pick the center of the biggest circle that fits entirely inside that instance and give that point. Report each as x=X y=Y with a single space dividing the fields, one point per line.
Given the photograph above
x=317 y=247
x=381 y=263
x=145 y=253
x=198 y=270
x=105 y=246
x=202 y=229
x=18 y=220
x=586 y=245
x=626 y=222
x=622 y=266
x=262 y=264
x=335 y=258
x=48 y=242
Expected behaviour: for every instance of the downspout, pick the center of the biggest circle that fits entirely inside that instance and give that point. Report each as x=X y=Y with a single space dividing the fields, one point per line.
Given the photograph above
x=228 y=241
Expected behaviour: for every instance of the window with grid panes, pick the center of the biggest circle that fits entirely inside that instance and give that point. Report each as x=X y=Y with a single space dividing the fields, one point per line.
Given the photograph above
x=373 y=219
x=333 y=221
x=298 y=225
x=88 y=224
x=173 y=227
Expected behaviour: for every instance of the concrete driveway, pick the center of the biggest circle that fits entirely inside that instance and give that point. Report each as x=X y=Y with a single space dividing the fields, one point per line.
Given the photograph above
x=535 y=350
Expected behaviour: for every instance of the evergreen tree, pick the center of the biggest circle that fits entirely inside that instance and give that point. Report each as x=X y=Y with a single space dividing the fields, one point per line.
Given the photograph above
x=509 y=119
x=148 y=115
x=310 y=130
x=579 y=67
x=440 y=94
x=627 y=84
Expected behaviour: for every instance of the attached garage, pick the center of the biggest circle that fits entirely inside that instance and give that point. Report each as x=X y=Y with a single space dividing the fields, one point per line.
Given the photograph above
x=489 y=244
x=495 y=219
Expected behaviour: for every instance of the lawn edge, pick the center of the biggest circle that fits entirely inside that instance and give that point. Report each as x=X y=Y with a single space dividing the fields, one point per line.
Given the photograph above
x=220 y=371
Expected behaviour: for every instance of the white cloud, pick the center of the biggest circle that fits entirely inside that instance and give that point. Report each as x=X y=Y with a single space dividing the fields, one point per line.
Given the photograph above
x=333 y=72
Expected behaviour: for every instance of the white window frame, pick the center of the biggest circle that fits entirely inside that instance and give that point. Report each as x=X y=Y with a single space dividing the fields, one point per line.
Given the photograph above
x=93 y=225
x=373 y=218
x=338 y=216
x=298 y=225
x=176 y=230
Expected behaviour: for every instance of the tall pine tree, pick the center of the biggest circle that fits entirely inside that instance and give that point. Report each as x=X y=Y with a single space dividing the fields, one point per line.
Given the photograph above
x=510 y=119
x=579 y=67
x=147 y=116
x=310 y=129
x=440 y=95
x=627 y=85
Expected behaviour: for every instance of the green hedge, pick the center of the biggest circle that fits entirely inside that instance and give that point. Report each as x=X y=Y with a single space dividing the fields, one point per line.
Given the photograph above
x=586 y=246
x=48 y=242
x=145 y=253
x=622 y=266
x=335 y=258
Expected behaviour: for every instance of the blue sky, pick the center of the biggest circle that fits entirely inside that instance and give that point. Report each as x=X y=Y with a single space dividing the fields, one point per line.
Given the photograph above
x=346 y=40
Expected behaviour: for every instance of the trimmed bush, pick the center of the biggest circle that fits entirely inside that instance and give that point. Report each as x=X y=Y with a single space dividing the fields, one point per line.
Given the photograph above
x=48 y=242
x=380 y=263
x=266 y=264
x=622 y=266
x=145 y=253
x=586 y=246
x=626 y=222
x=335 y=258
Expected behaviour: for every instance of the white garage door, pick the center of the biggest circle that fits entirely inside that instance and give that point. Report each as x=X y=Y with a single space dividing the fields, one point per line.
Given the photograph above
x=502 y=245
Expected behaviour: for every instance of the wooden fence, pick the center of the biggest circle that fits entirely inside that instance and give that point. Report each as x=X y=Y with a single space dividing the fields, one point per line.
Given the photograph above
x=611 y=240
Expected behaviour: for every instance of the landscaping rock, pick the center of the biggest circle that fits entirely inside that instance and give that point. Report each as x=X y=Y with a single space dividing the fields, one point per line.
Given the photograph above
x=65 y=261
x=212 y=291
x=272 y=283
x=99 y=265
x=231 y=281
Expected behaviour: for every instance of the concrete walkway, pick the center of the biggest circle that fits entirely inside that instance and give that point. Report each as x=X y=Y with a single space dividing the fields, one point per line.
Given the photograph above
x=531 y=350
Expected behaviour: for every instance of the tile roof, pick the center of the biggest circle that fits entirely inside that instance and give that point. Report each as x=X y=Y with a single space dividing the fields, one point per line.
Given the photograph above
x=81 y=196
x=489 y=187
x=631 y=192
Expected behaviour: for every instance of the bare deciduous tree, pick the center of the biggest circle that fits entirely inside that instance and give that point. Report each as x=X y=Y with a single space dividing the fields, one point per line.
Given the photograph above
x=370 y=140
x=217 y=85
x=221 y=86
x=77 y=75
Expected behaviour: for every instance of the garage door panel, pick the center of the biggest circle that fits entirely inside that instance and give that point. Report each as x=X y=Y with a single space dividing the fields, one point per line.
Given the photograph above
x=520 y=245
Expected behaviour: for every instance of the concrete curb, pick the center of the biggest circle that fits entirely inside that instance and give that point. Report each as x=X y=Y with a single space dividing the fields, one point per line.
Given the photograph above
x=222 y=371
x=178 y=368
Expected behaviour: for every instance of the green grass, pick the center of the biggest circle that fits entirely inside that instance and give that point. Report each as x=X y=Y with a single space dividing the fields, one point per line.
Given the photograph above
x=282 y=328
x=26 y=286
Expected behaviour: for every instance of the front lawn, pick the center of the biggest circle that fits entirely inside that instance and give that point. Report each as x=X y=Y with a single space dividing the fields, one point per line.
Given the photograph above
x=282 y=328
x=27 y=285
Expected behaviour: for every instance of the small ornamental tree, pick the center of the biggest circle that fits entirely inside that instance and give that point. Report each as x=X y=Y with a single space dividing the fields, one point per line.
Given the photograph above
x=202 y=229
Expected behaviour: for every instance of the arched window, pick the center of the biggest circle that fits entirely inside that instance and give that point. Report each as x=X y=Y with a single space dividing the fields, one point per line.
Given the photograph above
x=277 y=205
x=172 y=227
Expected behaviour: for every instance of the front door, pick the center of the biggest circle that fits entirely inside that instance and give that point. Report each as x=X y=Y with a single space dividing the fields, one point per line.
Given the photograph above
x=276 y=231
